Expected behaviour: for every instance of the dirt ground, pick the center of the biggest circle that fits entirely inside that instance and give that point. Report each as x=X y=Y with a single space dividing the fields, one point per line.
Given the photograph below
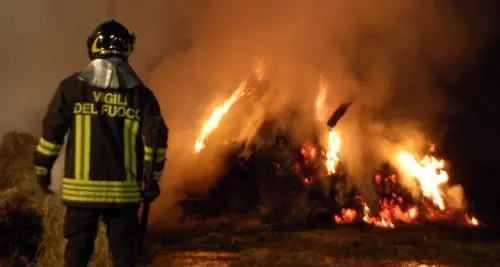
x=244 y=242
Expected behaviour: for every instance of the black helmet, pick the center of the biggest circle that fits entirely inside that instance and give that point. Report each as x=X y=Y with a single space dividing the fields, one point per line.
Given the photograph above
x=110 y=39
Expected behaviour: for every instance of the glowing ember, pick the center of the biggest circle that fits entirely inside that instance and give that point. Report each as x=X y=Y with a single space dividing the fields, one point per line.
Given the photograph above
x=429 y=173
x=308 y=153
x=471 y=220
x=383 y=221
x=346 y=216
x=405 y=216
x=217 y=114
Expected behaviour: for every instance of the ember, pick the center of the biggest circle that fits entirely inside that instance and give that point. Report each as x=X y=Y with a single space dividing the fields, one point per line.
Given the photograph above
x=279 y=167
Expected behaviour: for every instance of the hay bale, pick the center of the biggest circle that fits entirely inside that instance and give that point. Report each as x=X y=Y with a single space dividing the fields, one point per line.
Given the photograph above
x=31 y=223
x=51 y=249
x=20 y=227
x=16 y=161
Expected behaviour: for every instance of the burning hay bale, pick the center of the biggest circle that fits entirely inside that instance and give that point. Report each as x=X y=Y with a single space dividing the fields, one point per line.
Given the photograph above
x=272 y=177
x=281 y=169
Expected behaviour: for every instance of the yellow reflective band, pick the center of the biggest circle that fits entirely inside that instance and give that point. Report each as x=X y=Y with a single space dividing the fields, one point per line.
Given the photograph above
x=101 y=194
x=101 y=188
x=99 y=183
x=157 y=175
x=126 y=148
x=149 y=158
x=148 y=154
x=42 y=150
x=130 y=131
x=82 y=146
x=49 y=145
x=48 y=148
x=69 y=196
x=41 y=170
x=99 y=191
x=135 y=130
x=116 y=200
x=87 y=147
x=149 y=150
x=78 y=146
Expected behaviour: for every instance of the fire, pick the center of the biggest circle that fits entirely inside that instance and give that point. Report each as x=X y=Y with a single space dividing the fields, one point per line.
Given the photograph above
x=346 y=216
x=383 y=221
x=308 y=152
x=259 y=70
x=217 y=114
x=332 y=158
x=429 y=173
x=395 y=205
x=431 y=176
x=471 y=220
x=333 y=142
x=394 y=208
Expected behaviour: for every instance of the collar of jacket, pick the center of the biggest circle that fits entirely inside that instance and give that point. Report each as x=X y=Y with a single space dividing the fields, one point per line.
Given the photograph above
x=110 y=73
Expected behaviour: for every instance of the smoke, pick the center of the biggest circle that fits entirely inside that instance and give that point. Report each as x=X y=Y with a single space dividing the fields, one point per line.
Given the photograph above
x=44 y=41
x=385 y=54
x=388 y=55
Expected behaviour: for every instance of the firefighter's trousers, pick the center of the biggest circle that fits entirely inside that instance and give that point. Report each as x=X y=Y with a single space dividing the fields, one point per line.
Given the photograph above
x=80 y=231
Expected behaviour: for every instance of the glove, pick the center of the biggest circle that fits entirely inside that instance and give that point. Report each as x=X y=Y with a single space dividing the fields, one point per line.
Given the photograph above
x=43 y=179
x=152 y=193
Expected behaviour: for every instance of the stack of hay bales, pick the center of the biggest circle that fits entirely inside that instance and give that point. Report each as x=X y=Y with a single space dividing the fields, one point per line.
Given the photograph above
x=31 y=223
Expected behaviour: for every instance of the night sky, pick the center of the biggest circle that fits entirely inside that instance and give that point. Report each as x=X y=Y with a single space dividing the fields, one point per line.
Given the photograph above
x=472 y=142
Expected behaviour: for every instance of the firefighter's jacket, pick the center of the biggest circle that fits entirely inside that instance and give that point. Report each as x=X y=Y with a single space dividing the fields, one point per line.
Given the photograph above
x=112 y=121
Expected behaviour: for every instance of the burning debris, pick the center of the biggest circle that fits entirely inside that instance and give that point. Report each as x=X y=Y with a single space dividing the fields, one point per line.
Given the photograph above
x=290 y=170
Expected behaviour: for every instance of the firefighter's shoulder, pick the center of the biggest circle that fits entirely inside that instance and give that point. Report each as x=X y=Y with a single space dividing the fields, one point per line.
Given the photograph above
x=69 y=82
x=147 y=94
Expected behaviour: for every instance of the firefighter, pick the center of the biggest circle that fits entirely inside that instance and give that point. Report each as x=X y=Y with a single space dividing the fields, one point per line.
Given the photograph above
x=112 y=120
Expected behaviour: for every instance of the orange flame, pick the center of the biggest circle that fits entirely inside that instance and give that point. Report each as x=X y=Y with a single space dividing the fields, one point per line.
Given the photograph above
x=471 y=220
x=332 y=158
x=217 y=114
x=429 y=173
x=383 y=221
x=333 y=142
x=346 y=216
